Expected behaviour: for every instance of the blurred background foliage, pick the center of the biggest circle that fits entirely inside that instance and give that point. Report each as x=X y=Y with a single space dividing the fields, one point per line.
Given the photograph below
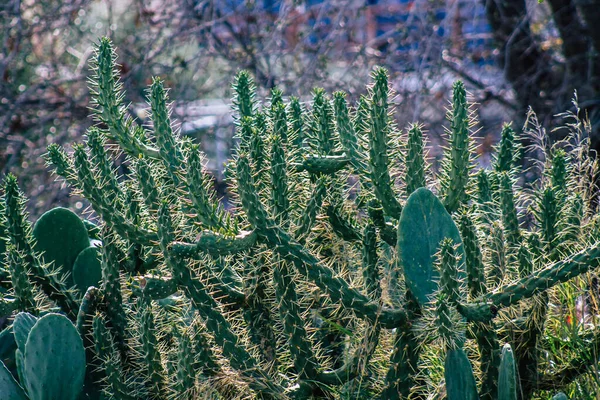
x=511 y=54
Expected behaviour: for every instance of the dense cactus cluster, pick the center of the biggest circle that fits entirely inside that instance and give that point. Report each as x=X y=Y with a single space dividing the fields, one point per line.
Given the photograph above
x=347 y=268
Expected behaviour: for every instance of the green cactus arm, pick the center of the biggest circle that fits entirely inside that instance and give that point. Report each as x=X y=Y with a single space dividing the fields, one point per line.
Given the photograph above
x=357 y=363
x=560 y=271
x=321 y=124
x=114 y=384
x=415 y=161
x=186 y=376
x=111 y=288
x=343 y=226
x=548 y=217
x=328 y=165
x=498 y=259
x=169 y=149
x=296 y=127
x=147 y=184
x=402 y=372
x=473 y=255
x=510 y=220
x=526 y=348
x=456 y=168
x=89 y=303
x=88 y=184
x=204 y=360
x=155 y=373
x=57 y=158
x=308 y=217
x=107 y=175
x=387 y=231
x=19 y=230
x=347 y=134
x=307 y=264
x=258 y=313
x=20 y=282
x=371 y=273
x=215 y=244
x=507 y=155
x=353 y=366
x=108 y=97
x=280 y=202
x=485 y=205
x=448 y=268
x=300 y=347
x=153 y=287
x=204 y=201
x=205 y=304
x=378 y=146
x=245 y=93
x=487 y=342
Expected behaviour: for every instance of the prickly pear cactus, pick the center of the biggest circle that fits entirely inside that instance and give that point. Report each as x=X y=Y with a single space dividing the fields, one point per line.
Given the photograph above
x=346 y=267
x=60 y=236
x=50 y=359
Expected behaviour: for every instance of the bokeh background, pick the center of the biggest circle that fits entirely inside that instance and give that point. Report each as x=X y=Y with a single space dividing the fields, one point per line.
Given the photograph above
x=511 y=54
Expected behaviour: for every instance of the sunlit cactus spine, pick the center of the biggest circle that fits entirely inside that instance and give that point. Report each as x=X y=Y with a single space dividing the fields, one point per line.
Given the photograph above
x=346 y=267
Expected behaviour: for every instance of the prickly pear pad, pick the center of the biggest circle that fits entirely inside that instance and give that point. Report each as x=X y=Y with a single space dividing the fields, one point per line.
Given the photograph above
x=54 y=360
x=61 y=236
x=424 y=223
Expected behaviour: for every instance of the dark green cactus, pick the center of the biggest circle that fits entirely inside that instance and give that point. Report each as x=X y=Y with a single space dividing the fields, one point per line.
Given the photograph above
x=87 y=269
x=345 y=269
x=425 y=214
x=51 y=358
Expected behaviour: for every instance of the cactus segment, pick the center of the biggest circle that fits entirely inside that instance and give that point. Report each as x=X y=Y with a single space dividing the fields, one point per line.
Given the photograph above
x=24 y=299
x=379 y=131
x=108 y=97
x=460 y=382
x=152 y=358
x=215 y=244
x=507 y=378
x=54 y=360
x=473 y=255
x=21 y=328
x=506 y=158
x=87 y=269
x=424 y=223
x=9 y=388
x=457 y=165
x=415 y=161
x=19 y=230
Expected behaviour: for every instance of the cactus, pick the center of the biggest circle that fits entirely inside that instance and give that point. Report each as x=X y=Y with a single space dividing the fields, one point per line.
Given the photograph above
x=51 y=359
x=60 y=236
x=346 y=268
x=87 y=270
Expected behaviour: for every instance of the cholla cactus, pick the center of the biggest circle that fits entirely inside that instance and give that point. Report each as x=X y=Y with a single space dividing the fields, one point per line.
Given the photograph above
x=319 y=281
